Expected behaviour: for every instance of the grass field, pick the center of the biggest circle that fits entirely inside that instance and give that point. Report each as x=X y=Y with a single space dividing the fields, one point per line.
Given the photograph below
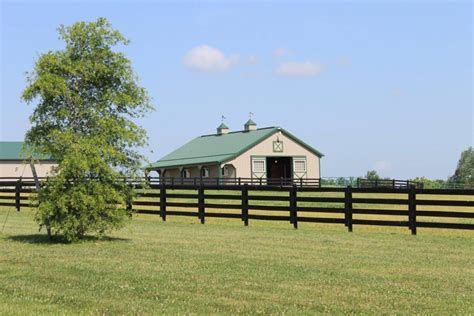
x=181 y=266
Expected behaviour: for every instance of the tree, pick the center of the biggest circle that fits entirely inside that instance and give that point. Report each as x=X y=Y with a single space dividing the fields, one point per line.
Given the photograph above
x=87 y=99
x=430 y=184
x=372 y=175
x=465 y=169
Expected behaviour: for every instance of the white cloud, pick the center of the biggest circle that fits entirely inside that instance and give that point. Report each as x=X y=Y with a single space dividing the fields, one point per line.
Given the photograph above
x=383 y=167
x=299 y=69
x=280 y=52
x=208 y=59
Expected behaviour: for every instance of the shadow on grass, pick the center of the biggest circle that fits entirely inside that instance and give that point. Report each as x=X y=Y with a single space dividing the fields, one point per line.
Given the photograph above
x=43 y=239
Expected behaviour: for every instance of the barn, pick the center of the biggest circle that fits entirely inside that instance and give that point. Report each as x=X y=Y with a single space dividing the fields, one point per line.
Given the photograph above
x=252 y=153
x=15 y=162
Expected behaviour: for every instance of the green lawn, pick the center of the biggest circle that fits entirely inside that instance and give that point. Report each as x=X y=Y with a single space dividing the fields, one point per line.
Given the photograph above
x=181 y=266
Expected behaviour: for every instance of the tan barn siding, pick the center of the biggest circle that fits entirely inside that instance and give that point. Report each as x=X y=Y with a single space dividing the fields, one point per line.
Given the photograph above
x=19 y=168
x=194 y=170
x=265 y=148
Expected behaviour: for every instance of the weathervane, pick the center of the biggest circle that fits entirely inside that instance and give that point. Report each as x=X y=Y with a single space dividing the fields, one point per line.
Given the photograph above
x=223 y=118
x=250 y=115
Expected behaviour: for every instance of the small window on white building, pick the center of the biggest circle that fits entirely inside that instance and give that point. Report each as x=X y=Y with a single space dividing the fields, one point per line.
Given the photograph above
x=258 y=165
x=185 y=173
x=205 y=172
x=228 y=171
x=299 y=165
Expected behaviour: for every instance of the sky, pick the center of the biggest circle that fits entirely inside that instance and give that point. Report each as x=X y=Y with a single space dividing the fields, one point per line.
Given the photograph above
x=372 y=85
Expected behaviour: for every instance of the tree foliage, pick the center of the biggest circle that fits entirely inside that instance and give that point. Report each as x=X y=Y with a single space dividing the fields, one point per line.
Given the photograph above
x=429 y=183
x=465 y=169
x=372 y=175
x=87 y=99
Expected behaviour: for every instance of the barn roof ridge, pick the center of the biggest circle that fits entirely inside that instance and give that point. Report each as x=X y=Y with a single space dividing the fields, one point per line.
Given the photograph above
x=240 y=131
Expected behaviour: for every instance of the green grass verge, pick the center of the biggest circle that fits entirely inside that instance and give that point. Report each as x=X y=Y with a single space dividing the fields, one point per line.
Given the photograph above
x=181 y=266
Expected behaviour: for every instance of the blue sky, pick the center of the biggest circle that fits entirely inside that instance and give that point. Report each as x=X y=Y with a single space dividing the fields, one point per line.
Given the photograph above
x=371 y=85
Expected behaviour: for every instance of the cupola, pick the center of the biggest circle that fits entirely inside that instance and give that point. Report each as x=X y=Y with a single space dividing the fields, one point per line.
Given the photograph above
x=250 y=125
x=222 y=129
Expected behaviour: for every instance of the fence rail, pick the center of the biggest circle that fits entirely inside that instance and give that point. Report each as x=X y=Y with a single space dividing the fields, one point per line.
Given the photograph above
x=281 y=182
x=387 y=183
x=398 y=207
x=284 y=182
x=312 y=182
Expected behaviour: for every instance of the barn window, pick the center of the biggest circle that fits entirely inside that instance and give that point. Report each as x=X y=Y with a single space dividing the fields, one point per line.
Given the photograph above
x=185 y=173
x=278 y=146
x=226 y=171
x=205 y=172
x=300 y=165
x=258 y=165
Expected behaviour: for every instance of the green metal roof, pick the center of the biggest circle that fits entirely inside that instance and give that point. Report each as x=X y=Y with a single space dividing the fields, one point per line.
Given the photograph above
x=222 y=126
x=210 y=149
x=14 y=151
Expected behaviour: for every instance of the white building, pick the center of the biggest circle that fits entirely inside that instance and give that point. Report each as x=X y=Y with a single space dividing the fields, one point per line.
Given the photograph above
x=264 y=153
x=14 y=162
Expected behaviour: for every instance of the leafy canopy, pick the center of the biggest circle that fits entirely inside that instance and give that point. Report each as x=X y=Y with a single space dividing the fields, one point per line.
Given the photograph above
x=372 y=175
x=429 y=183
x=87 y=98
x=465 y=169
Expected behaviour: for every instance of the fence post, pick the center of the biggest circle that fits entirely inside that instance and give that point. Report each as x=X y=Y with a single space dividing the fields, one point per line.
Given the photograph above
x=245 y=204
x=163 y=201
x=293 y=207
x=129 y=205
x=17 y=194
x=201 y=209
x=412 y=210
x=348 y=207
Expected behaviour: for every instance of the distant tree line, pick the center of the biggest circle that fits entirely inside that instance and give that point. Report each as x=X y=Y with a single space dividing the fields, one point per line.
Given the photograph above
x=463 y=175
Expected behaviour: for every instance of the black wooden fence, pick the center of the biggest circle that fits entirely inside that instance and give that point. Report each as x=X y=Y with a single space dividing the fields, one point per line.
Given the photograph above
x=17 y=193
x=263 y=181
x=284 y=182
x=409 y=207
x=387 y=183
